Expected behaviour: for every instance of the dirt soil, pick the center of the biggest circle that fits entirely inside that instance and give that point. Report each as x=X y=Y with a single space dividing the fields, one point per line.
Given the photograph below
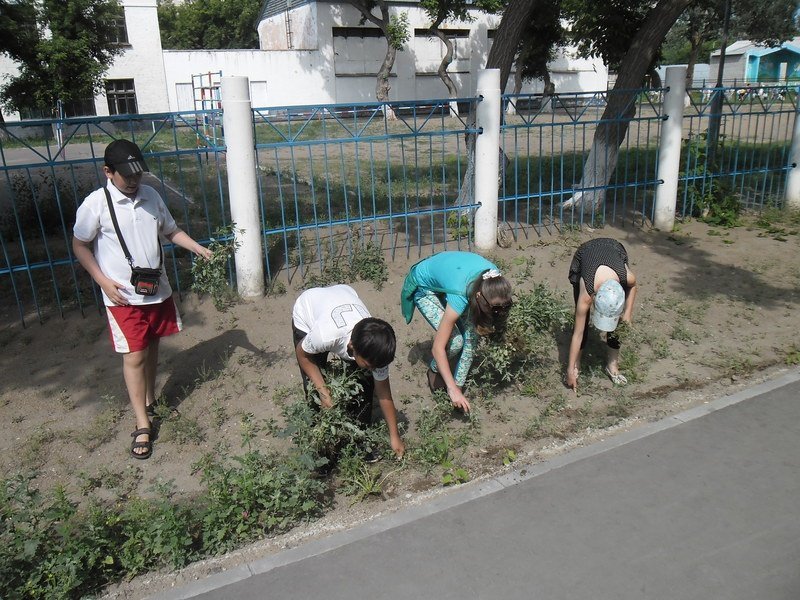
x=716 y=311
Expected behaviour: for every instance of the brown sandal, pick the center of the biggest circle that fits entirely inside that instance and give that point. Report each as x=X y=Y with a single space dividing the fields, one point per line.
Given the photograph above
x=148 y=445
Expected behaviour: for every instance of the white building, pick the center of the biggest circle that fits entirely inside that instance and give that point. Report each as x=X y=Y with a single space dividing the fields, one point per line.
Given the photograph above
x=312 y=52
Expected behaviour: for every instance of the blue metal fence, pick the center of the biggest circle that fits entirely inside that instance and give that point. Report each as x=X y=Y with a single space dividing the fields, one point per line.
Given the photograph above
x=339 y=177
x=751 y=154
x=546 y=141
x=48 y=167
x=335 y=176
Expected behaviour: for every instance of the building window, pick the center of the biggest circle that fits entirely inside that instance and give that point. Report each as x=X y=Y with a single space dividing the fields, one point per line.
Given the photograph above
x=80 y=108
x=118 y=29
x=121 y=97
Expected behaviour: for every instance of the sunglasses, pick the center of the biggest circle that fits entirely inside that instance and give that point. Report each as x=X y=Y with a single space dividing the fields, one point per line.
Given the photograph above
x=497 y=309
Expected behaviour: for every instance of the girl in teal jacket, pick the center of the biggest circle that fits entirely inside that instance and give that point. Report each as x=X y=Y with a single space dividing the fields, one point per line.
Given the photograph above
x=462 y=295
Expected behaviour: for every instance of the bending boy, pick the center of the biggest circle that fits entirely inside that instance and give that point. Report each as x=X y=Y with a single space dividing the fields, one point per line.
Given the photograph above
x=334 y=320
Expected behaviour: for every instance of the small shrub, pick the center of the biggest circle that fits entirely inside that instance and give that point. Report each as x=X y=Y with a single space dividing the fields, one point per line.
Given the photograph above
x=211 y=276
x=532 y=322
x=257 y=494
x=324 y=433
x=712 y=199
x=368 y=264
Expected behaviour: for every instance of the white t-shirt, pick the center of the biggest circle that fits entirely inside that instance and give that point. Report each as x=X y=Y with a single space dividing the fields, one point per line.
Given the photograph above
x=327 y=316
x=142 y=221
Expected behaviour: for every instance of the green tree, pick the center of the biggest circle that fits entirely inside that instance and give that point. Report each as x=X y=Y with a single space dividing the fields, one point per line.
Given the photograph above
x=395 y=29
x=541 y=39
x=63 y=49
x=209 y=24
x=441 y=11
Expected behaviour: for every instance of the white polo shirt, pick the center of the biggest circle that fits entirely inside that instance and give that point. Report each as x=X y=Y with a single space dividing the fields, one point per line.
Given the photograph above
x=327 y=316
x=142 y=221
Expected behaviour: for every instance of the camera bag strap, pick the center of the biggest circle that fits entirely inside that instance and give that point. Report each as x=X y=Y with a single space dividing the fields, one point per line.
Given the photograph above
x=119 y=233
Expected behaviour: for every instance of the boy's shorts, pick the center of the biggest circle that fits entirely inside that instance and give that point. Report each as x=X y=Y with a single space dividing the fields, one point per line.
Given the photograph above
x=132 y=328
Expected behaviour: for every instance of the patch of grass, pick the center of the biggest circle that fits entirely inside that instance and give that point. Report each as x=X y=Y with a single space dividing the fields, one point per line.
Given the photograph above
x=181 y=429
x=102 y=428
x=682 y=334
x=542 y=425
x=122 y=482
x=368 y=264
x=792 y=355
x=219 y=413
x=36 y=445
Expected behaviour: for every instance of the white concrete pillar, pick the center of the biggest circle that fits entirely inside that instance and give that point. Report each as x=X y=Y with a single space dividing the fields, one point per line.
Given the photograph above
x=792 y=195
x=237 y=120
x=487 y=162
x=669 y=153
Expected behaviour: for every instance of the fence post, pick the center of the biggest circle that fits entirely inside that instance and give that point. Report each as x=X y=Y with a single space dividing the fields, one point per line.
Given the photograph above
x=240 y=162
x=669 y=150
x=487 y=162
x=792 y=196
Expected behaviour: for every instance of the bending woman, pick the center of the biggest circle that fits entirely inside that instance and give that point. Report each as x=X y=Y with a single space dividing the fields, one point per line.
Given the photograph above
x=604 y=286
x=461 y=295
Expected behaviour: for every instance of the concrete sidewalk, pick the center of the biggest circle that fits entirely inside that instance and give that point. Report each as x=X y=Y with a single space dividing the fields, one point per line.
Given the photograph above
x=701 y=505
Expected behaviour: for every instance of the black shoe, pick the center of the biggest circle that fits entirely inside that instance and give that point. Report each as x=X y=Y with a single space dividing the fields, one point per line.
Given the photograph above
x=371 y=458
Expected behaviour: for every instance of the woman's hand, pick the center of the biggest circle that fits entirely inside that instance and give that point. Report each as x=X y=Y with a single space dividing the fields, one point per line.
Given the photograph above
x=572 y=378
x=458 y=399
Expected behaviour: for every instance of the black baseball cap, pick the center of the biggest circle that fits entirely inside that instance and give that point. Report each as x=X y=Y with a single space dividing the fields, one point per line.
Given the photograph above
x=125 y=157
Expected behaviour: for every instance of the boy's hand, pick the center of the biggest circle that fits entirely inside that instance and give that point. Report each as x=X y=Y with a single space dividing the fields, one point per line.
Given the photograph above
x=325 y=399
x=204 y=252
x=398 y=447
x=111 y=289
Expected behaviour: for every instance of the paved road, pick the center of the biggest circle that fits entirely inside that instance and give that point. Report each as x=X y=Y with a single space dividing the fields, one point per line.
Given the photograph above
x=703 y=505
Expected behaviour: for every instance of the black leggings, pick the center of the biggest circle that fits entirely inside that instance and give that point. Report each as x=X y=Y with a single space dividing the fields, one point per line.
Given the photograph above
x=361 y=410
x=611 y=337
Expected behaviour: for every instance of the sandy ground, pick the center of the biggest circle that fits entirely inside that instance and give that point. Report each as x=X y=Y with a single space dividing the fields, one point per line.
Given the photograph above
x=716 y=310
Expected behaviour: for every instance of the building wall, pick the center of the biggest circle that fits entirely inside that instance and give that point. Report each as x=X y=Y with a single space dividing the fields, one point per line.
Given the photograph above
x=307 y=64
x=735 y=66
x=349 y=63
x=142 y=60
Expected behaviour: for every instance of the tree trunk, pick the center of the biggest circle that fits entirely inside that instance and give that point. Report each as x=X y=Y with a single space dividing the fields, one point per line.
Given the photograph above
x=548 y=92
x=452 y=91
x=382 y=86
x=694 y=49
x=506 y=41
x=621 y=107
x=515 y=19
x=511 y=109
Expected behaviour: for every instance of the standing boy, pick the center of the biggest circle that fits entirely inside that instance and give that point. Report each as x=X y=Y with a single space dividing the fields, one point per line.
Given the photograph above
x=334 y=320
x=130 y=271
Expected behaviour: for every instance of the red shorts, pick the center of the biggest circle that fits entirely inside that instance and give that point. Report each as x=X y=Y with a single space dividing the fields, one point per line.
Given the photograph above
x=132 y=328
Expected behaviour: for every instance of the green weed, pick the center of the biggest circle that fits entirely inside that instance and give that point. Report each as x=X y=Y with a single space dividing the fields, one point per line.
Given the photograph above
x=255 y=494
x=792 y=356
x=509 y=456
x=454 y=475
x=210 y=276
x=541 y=426
x=181 y=429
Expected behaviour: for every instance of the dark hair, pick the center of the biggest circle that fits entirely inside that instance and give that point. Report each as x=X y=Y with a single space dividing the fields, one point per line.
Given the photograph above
x=489 y=302
x=373 y=339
